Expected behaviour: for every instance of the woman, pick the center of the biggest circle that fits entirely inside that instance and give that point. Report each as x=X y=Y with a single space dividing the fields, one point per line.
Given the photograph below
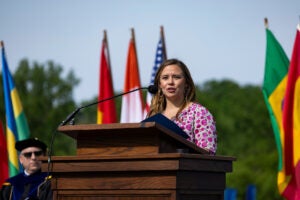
x=175 y=99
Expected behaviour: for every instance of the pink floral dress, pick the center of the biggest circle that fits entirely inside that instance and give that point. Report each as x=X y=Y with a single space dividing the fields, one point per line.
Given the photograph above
x=200 y=125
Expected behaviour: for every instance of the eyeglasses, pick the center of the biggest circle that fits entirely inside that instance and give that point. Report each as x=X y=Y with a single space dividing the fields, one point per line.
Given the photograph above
x=29 y=154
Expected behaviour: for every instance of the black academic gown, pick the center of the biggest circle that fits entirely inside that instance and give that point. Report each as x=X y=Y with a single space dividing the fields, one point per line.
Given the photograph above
x=21 y=187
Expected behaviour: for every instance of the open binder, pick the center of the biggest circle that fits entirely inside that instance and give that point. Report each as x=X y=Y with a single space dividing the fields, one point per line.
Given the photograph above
x=164 y=121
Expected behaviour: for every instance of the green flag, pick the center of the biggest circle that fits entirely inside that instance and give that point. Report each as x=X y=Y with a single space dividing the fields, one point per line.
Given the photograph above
x=275 y=80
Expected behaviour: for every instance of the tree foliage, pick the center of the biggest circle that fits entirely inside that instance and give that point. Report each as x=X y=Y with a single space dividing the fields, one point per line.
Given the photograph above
x=244 y=132
x=243 y=125
x=46 y=97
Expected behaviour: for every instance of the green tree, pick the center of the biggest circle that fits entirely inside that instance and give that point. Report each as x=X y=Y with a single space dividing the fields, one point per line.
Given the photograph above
x=244 y=131
x=46 y=98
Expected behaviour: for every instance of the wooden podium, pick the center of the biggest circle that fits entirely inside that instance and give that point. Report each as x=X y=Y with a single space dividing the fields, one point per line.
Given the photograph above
x=139 y=161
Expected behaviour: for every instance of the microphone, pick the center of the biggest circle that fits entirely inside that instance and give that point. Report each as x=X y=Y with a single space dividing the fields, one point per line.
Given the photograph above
x=151 y=88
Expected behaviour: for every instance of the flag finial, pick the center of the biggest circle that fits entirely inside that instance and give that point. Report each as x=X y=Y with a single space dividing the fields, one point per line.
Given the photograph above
x=132 y=34
x=2 y=44
x=104 y=35
x=266 y=23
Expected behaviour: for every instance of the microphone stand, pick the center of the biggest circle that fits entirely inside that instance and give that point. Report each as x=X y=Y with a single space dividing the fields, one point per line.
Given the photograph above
x=72 y=115
x=152 y=89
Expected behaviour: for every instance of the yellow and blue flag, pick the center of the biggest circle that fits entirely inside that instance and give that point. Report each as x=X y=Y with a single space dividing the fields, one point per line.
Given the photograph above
x=16 y=123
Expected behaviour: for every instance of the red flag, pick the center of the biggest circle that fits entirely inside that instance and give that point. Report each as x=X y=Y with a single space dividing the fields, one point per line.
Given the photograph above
x=3 y=156
x=291 y=125
x=132 y=103
x=106 y=110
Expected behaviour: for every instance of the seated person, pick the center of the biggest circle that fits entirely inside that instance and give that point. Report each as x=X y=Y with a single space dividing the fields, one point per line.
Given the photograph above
x=32 y=183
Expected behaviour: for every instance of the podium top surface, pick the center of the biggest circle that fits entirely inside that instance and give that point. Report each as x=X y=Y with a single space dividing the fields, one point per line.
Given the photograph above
x=118 y=132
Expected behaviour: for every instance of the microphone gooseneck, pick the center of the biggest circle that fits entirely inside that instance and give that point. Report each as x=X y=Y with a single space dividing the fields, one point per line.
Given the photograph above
x=152 y=89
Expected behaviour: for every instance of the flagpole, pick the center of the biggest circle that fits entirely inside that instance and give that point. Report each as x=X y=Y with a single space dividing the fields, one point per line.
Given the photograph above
x=105 y=40
x=163 y=42
x=133 y=40
x=132 y=33
x=266 y=23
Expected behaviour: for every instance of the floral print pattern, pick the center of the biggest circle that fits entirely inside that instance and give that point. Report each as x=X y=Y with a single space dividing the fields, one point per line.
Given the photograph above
x=200 y=125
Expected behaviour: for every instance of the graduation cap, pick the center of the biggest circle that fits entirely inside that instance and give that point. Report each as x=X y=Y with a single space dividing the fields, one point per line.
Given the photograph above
x=32 y=142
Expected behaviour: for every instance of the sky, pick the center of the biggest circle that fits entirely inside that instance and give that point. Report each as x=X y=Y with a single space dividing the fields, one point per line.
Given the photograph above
x=217 y=40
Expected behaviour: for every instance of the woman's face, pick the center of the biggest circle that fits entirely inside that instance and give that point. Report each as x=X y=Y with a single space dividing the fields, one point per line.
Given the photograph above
x=172 y=83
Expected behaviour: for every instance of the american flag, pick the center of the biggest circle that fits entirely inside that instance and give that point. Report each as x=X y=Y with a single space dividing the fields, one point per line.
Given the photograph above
x=159 y=58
